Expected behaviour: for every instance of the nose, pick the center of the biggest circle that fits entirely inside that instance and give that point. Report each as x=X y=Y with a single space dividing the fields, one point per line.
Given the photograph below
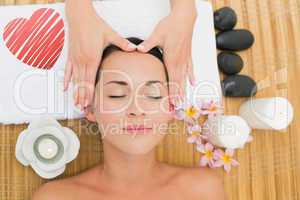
x=134 y=109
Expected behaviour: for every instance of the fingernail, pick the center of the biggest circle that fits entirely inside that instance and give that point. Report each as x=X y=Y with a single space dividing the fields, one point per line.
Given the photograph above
x=141 y=47
x=131 y=46
x=193 y=82
x=86 y=103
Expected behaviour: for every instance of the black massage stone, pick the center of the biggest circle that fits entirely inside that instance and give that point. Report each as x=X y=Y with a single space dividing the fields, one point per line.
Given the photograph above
x=225 y=19
x=234 y=40
x=230 y=63
x=239 y=86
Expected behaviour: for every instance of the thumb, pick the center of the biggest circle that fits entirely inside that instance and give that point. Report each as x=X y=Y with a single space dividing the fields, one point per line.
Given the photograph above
x=122 y=43
x=150 y=43
x=191 y=73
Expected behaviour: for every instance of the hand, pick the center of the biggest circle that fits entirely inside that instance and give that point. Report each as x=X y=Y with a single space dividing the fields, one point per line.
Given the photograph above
x=88 y=36
x=174 y=35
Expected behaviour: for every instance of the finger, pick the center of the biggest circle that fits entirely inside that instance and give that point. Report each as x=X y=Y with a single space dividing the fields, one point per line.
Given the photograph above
x=75 y=82
x=182 y=80
x=91 y=74
x=179 y=77
x=191 y=74
x=175 y=88
x=173 y=76
x=123 y=43
x=68 y=74
x=151 y=42
x=82 y=85
x=182 y=69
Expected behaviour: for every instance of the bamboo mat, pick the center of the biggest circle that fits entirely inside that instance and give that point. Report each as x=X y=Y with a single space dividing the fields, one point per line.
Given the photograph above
x=270 y=165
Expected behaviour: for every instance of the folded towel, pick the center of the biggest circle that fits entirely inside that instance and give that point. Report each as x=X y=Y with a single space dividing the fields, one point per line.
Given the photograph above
x=34 y=43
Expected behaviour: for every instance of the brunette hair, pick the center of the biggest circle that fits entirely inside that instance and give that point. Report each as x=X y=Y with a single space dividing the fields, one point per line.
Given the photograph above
x=156 y=52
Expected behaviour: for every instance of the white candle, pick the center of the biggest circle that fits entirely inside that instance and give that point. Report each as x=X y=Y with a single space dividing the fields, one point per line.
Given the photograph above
x=228 y=131
x=47 y=148
x=267 y=113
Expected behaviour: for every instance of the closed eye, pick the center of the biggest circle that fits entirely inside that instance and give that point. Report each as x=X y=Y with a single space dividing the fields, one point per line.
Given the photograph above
x=122 y=96
x=155 y=97
x=116 y=96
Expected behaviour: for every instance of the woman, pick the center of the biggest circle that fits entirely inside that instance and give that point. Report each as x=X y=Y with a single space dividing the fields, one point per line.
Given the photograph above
x=89 y=34
x=132 y=109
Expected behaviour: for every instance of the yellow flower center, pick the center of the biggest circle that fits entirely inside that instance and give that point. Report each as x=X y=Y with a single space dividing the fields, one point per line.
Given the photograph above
x=195 y=133
x=226 y=159
x=191 y=111
x=209 y=154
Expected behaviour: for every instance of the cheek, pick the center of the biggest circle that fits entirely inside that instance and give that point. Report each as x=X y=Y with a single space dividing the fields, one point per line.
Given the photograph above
x=161 y=121
x=154 y=106
x=109 y=123
x=108 y=105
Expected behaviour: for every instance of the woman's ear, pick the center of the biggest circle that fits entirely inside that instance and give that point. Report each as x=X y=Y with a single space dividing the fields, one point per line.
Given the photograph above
x=89 y=114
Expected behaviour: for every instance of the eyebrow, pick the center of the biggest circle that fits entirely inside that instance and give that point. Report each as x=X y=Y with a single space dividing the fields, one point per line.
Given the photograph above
x=152 y=82
x=116 y=82
x=148 y=83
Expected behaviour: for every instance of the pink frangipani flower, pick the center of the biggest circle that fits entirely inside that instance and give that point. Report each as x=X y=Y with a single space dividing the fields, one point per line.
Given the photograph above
x=195 y=134
x=207 y=158
x=224 y=159
x=187 y=112
x=210 y=108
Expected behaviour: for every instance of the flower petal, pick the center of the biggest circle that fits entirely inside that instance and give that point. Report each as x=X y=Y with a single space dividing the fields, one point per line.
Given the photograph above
x=211 y=163
x=200 y=148
x=218 y=153
x=229 y=152
x=218 y=163
x=199 y=140
x=227 y=167
x=191 y=139
x=234 y=162
x=209 y=146
x=179 y=115
x=204 y=161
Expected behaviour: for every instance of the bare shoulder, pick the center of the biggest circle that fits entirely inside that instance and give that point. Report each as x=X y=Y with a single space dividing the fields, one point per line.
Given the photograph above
x=64 y=189
x=201 y=182
x=58 y=189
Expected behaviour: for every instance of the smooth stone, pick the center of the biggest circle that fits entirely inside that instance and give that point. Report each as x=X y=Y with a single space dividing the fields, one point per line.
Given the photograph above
x=225 y=19
x=235 y=40
x=239 y=86
x=230 y=63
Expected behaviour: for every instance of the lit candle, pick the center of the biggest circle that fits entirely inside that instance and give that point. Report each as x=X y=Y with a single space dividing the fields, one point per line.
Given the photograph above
x=47 y=148
x=267 y=113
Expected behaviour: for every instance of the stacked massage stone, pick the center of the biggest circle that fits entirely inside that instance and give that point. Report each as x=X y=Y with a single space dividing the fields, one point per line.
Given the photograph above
x=230 y=41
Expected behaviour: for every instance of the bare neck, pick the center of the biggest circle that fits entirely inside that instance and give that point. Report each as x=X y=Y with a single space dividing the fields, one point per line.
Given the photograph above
x=121 y=169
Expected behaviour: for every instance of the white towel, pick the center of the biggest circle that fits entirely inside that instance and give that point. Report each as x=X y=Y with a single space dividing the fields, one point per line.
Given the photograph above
x=28 y=92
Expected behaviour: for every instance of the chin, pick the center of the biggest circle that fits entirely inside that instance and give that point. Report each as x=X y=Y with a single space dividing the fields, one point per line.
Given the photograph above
x=136 y=145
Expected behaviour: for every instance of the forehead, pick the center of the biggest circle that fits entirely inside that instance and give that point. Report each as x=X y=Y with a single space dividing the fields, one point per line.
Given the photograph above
x=132 y=66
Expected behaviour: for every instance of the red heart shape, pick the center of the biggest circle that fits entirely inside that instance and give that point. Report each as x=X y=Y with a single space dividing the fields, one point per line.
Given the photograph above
x=38 y=41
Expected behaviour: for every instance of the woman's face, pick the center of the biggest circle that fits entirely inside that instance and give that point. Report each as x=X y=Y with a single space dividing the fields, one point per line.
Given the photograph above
x=131 y=102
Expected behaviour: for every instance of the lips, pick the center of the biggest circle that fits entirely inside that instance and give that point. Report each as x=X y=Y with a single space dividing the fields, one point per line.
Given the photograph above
x=137 y=129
